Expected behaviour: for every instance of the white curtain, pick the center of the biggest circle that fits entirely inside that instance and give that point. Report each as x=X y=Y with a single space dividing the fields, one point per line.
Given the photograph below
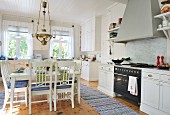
x=71 y=34
x=5 y=39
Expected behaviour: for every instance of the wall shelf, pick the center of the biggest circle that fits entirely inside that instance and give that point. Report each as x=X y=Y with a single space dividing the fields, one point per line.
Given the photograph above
x=164 y=28
x=164 y=16
x=114 y=29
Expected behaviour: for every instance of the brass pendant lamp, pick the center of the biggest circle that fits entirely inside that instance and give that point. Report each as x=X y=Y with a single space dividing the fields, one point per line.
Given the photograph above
x=43 y=36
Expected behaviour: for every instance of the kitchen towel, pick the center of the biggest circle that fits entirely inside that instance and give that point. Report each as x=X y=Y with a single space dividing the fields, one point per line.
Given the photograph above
x=133 y=86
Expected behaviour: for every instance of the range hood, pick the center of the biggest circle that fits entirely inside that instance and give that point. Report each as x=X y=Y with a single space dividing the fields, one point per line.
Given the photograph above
x=138 y=21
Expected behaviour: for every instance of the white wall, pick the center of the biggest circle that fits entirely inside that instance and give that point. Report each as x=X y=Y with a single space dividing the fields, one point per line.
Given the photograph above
x=53 y=23
x=147 y=50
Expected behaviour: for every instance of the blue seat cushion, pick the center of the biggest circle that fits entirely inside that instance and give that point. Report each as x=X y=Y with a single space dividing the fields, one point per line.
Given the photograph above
x=62 y=86
x=40 y=88
x=19 y=84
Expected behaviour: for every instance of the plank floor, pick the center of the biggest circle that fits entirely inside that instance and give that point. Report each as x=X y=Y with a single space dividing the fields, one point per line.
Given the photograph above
x=64 y=107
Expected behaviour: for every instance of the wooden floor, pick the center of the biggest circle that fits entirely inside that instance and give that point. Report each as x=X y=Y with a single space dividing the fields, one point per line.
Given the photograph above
x=64 y=107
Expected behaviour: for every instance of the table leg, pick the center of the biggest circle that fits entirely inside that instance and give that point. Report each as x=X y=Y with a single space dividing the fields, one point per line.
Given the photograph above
x=78 y=89
x=12 y=93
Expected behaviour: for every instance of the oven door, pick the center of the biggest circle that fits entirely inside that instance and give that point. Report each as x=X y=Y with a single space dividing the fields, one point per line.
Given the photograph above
x=121 y=87
x=120 y=83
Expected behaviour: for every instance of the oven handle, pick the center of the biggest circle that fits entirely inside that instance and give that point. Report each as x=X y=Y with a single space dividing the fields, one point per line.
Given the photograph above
x=122 y=75
x=119 y=74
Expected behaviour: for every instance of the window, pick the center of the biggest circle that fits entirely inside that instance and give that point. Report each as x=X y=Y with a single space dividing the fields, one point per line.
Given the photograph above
x=61 y=47
x=17 y=42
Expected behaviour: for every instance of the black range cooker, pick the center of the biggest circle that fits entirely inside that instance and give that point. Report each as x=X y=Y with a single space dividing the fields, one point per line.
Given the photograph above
x=121 y=79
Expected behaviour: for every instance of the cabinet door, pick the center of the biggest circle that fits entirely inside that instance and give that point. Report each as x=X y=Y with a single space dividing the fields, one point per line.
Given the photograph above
x=165 y=97
x=102 y=76
x=83 y=71
x=109 y=81
x=150 y=92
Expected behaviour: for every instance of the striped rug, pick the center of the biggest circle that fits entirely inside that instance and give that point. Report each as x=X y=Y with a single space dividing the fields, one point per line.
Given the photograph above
x=2 y=95
x=104 y=104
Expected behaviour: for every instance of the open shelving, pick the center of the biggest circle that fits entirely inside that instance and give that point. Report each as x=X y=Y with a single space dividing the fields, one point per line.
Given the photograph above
x=164 y=16
x=114 y=29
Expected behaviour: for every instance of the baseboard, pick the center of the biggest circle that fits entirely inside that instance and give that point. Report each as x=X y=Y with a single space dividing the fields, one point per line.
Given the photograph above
x=150 y=110
x=110 y=93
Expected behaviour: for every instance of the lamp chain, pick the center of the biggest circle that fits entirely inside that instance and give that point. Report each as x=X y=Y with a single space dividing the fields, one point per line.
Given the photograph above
x=49 y=16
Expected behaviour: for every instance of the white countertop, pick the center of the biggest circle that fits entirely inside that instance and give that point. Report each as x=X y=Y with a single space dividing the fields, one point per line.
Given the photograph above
x=155 y=70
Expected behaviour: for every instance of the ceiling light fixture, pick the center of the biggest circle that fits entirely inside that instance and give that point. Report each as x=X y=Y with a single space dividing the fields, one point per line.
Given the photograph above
x=43 y=36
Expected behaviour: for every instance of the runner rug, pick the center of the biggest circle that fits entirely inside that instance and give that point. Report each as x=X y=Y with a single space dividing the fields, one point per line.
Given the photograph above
x=104 y=104
x=2 y=96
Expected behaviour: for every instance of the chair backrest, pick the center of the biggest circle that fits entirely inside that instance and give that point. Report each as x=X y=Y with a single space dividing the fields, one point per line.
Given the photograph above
x=42 y=73
x=78 y=66
x=65 y=73
x=5 y=73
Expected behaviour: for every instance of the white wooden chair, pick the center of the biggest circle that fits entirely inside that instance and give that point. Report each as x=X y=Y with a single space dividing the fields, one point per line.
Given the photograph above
x=63 y=88
x=43 y=82
x=78 y=75
x=20 y=85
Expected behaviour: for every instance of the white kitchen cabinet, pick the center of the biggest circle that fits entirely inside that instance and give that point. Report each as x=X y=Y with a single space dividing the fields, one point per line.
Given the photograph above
x=155 y=92
x=102 y=80
x=90 y=70
x=165 y=97
x=150 y=92
x=37 y=45
x=106 y=79
x=91 y=35
x=165 y=93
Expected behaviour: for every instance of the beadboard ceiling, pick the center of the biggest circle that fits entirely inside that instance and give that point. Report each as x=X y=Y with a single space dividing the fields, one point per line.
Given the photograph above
x=61 y=10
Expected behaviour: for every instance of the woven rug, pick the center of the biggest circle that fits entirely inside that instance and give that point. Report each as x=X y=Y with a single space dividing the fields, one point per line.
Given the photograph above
x=104 y=104
x=2 y=95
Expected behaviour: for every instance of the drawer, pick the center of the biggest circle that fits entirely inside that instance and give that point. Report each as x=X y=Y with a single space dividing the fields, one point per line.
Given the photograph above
x=151 y=75
x=165 y=78
x=106 y=68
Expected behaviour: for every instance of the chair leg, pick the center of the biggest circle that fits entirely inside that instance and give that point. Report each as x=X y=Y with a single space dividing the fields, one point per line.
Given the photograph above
x=30 y=109
x=5 y=101
x=55 y=108
x=78 y=89
x=50 y=99
x=26 y=98
x=72 y=100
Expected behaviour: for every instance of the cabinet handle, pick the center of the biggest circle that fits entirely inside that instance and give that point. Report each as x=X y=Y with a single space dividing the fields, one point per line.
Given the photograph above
x=169 y=79
x=161 y=84
x=149 y=75
x=158 y=84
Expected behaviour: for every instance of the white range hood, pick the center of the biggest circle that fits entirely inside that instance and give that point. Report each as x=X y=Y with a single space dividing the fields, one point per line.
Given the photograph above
x=138 y=21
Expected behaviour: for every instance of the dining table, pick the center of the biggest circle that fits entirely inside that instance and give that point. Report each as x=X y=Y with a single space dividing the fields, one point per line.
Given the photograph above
x=25 y=76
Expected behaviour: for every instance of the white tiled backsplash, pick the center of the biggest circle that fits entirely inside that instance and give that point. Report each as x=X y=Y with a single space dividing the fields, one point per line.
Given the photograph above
x=146 y=50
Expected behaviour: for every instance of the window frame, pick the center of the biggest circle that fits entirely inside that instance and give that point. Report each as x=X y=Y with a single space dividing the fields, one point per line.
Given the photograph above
x=18 y=40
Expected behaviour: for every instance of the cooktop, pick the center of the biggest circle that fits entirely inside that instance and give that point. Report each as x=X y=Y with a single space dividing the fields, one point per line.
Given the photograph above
x=139 y=65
